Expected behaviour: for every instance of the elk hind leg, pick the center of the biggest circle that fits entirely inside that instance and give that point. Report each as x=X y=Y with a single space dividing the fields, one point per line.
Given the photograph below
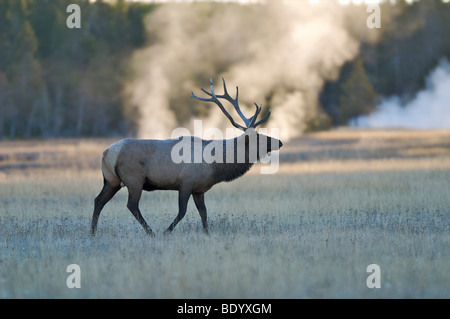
x=108 y=191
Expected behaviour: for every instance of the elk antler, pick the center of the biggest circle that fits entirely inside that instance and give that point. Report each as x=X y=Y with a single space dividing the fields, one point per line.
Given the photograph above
x=249 y=122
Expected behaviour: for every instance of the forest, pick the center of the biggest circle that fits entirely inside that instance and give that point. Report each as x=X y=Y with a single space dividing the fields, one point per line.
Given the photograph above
x=60 y=82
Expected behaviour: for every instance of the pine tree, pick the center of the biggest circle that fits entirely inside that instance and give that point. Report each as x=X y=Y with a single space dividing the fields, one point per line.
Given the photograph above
x=357 y=94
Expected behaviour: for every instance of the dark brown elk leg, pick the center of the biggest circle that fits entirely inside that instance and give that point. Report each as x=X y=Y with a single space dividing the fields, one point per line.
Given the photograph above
x=199 y=200
x=108 y=191
x=183 y=198
x=134 y=195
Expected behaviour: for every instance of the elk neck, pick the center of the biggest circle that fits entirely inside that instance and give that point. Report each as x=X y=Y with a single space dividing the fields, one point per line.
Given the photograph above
x=230 y=170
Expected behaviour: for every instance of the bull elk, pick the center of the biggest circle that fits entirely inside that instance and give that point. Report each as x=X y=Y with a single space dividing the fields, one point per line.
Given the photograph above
x=147 y=165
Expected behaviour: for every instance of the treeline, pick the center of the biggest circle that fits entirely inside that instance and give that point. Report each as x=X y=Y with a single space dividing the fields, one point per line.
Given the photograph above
x=56 y=81
x=411 y=45
x=62 y=82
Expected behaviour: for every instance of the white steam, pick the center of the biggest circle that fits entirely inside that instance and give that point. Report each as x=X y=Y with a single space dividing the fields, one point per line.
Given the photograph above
x=430 y=109
x=278 y=53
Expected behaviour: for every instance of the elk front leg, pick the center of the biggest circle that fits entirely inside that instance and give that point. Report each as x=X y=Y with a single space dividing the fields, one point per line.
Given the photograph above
x=134 y=195
x=199 y=200
x=183 y=198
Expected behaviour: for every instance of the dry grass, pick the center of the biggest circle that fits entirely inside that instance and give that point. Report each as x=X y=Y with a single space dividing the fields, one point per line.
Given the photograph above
x=342 y=200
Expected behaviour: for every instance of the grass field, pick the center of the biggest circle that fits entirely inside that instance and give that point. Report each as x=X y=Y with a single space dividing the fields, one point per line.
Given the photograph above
x=341 y=200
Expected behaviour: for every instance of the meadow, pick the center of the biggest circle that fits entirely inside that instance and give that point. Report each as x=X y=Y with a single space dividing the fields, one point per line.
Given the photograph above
x=341 y=200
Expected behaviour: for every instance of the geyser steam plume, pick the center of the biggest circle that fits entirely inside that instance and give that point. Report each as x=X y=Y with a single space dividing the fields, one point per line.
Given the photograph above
x=430 y=108
x=278 y=53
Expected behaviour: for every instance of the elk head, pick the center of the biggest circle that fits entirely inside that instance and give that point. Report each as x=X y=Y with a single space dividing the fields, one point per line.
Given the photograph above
x=257 y=145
